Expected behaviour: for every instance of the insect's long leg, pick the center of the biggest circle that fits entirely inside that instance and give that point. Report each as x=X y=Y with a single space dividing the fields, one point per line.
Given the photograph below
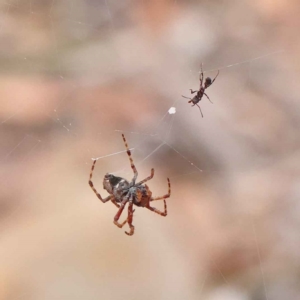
x=164 y=213
x=165 y=196
x=208 y=98
x=117 y=216
x=200 y=110
x=129 y=219
x=93 y=188
x=201 y=76
x=215 y=78
x=192 y=92
x=148 y=178
x=131 y=161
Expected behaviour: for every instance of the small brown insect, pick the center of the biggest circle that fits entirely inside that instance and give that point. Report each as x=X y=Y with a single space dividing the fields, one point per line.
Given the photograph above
x=122 y=192
x=208 y=82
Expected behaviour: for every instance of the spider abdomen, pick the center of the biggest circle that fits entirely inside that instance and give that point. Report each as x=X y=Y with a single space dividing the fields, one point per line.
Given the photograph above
x=120 y=188
x=141 y=195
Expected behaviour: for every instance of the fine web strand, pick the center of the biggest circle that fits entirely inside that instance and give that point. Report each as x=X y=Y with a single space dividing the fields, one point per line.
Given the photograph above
x=112 y=154
x=245 y=61
x=259 y=257
x=15 y=148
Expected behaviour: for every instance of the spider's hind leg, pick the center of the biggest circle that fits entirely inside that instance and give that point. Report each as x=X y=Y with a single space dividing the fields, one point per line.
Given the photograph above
x=164 y=213
x=129 y=219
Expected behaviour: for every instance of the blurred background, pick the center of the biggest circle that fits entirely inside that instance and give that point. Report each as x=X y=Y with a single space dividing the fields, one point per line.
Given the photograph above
x=75 y=74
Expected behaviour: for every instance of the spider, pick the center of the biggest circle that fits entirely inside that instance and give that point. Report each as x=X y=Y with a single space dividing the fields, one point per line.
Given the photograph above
x=208 y=82
x=122 y=192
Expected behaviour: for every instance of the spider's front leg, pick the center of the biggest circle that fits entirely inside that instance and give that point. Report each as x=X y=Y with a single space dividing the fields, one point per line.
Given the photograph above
x=131 y=161
x=93 y=188
x=192 y=92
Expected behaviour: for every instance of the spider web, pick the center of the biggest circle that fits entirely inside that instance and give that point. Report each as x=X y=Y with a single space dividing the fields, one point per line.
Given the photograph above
x=62 y=88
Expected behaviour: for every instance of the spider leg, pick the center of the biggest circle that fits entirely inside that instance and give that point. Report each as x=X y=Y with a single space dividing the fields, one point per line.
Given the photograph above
x=113 y=200
x=165 y=196
x=129 y=219
x=122 y=224
x=164 y=213
x=148 y=178
x=200 y=110
x=208 y=98
x=93 y=188
x=117 y=216
x=131 y=162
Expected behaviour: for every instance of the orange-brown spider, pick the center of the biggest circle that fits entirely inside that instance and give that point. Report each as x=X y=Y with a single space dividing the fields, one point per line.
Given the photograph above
x=122 y=192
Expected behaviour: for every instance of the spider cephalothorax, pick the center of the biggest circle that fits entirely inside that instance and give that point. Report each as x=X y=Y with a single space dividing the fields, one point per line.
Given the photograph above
x=207 y=83
x=122 y=192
